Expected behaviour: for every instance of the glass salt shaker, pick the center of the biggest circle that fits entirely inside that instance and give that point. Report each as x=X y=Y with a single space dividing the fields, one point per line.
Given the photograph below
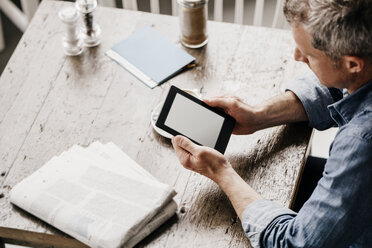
x=72 y=40
x=193 y=17
x=92 y=31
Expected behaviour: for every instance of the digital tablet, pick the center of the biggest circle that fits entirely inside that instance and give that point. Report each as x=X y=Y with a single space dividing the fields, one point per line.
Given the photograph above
x=184 y=114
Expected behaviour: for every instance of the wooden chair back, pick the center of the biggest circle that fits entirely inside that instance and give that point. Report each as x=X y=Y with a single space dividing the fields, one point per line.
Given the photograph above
x=278 y=18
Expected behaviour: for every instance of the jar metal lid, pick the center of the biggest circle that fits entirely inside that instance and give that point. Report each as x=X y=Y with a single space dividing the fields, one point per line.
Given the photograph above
x=192 y=3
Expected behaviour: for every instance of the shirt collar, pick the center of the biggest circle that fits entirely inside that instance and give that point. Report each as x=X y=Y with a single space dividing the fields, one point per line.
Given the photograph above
x=352 y=105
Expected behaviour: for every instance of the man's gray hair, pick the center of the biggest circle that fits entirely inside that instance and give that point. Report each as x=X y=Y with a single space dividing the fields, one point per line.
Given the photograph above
x=337 y=27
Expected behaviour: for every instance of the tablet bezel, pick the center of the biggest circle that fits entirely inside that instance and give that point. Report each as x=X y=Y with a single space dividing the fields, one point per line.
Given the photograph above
x=226 y=129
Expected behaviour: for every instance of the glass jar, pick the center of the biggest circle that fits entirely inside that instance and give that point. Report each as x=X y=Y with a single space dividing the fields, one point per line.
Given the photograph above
x=193 y=16
x=72 y=40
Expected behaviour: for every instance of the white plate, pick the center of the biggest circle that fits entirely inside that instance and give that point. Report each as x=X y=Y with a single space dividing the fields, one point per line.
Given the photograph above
x=156 y=112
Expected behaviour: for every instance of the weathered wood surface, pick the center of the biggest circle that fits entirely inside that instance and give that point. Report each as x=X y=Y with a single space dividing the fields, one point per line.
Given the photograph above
x=33 y=239
x=48 y=102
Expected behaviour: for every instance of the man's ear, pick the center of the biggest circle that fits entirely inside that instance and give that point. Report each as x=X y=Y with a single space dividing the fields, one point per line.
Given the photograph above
x=353 y=64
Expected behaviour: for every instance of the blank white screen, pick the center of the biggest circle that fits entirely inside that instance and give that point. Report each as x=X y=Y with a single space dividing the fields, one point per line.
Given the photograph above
x=194 y=121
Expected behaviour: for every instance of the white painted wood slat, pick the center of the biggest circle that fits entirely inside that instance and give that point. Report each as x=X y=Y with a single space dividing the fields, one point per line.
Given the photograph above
x=174 y=7
x=239 y=11
x=105 y=3
x=218 y=10
x=258 y=13
x=130 y=4
x=14 y=14
x=279 y=20
x=29 y=7
x=154 y=6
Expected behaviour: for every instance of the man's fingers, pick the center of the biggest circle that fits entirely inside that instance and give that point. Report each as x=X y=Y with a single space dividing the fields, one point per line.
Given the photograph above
x=217 y=101
x=223 y=102
x=185 y=144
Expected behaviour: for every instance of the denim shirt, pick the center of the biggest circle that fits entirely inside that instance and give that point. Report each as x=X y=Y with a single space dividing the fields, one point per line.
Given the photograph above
x=339 y=212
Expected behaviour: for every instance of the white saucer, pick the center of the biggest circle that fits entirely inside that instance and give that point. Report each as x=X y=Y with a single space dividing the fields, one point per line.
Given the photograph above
x=156 y=112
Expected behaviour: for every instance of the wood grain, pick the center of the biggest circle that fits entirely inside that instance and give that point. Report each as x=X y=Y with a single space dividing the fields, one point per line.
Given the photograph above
x=48 y=102
x=32 y=239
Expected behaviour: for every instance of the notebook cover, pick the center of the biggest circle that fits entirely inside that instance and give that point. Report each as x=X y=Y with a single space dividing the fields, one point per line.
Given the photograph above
x=150 y=56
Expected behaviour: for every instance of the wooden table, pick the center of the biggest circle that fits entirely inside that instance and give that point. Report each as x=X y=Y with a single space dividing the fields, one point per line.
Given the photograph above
x=48 y=102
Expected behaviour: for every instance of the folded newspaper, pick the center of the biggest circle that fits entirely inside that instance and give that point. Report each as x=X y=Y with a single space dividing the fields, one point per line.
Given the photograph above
x=98 y=195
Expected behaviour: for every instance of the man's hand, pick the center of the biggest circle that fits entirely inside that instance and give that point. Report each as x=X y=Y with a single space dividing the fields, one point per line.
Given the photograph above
x=246 y=116
x=282 y=109
x=279 y=110
x=215 y=166
x=201 y=159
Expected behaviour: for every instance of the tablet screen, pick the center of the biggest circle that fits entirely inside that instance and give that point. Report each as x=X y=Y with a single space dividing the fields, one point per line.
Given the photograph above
x=184 y=114
x=194 y=121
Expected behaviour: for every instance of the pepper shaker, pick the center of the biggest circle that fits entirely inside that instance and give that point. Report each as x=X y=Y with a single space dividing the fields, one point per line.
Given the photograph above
x=72 y=40
x=193 y=16
x=92 y=31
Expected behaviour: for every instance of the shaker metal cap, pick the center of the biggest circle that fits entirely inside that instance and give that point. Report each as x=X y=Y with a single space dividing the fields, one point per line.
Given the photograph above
x=68 y=15
x=86 y=6
x=192 y=3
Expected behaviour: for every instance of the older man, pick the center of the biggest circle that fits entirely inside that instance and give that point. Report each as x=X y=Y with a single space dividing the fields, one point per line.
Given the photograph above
x=334 y=38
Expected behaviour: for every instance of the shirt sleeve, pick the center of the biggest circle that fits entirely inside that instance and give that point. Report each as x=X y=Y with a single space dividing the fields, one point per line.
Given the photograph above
x=336 y=213
x=258 y=215
x=315 y=98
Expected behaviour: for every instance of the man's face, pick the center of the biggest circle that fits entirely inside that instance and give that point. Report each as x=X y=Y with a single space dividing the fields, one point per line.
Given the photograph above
x=323 y=67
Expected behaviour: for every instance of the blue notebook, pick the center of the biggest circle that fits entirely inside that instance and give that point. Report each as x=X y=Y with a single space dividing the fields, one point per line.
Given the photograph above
x=150 y=57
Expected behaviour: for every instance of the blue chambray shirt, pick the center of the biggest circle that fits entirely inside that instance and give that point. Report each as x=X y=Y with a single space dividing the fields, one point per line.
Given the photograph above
x=339 y=212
